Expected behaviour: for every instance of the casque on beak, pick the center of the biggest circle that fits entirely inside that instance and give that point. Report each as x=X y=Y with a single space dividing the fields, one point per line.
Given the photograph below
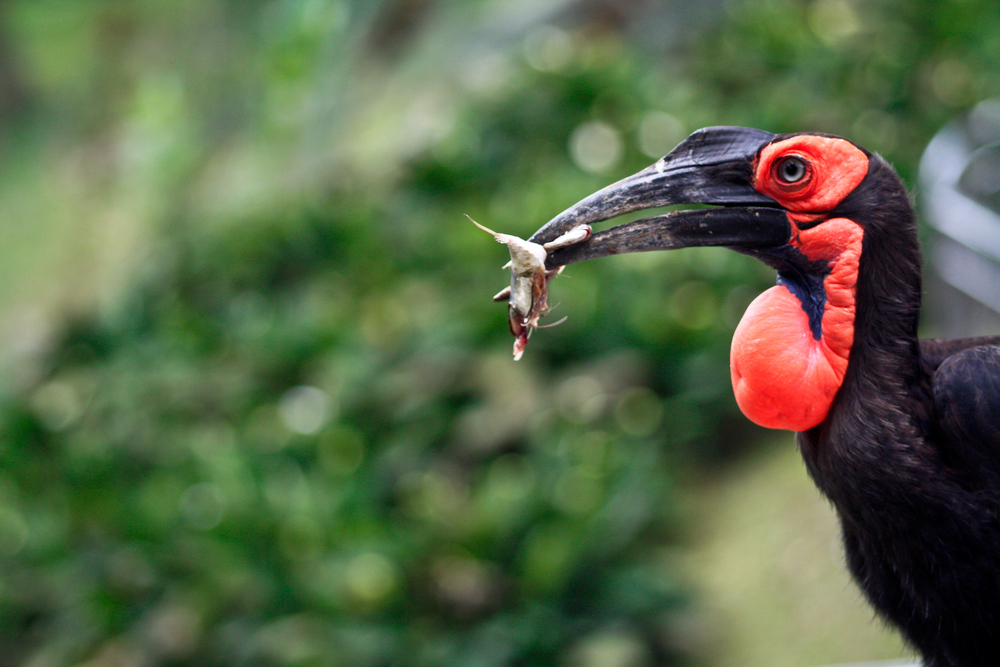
x=712 y=166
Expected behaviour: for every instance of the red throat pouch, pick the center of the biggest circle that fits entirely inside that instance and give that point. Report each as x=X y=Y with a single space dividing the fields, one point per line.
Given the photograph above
x=783 y=377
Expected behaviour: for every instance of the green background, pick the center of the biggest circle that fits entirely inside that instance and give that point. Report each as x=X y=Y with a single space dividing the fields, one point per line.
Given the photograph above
x=257 y=407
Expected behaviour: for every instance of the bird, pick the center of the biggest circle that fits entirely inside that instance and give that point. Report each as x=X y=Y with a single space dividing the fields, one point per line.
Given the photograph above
x=901 y=434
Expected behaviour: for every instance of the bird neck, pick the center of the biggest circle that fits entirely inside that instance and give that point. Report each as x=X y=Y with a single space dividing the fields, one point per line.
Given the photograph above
x=888 y=295
x=869 y=436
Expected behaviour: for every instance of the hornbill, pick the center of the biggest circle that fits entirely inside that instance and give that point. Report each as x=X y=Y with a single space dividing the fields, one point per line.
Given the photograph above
x=902 y=435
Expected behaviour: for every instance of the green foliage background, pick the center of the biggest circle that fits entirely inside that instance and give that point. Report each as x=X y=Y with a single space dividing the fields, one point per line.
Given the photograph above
x=259 y=408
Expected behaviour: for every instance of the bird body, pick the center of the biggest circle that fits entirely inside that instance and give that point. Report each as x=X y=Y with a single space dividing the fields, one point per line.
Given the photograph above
x=902 y=435
x=918 y=511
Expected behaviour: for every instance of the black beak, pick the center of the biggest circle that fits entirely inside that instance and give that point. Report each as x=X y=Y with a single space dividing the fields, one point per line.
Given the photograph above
x=712 y=166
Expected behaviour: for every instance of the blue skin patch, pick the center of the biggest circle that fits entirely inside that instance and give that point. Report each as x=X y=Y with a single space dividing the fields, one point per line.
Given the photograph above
x=803 y=278
x=809 y=290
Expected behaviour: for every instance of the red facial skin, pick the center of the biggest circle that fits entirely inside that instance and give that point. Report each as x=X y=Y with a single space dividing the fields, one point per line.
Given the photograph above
x=782 y=376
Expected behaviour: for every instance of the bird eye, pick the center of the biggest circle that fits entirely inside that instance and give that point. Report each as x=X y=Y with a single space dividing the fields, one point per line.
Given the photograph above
x=791 y=170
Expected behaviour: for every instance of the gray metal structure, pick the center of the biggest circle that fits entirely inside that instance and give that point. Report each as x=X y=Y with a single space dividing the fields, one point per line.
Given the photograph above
x=959 y=198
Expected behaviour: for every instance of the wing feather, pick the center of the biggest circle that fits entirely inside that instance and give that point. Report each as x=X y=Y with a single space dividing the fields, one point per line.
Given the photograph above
x=966 y=389
x=933 y=351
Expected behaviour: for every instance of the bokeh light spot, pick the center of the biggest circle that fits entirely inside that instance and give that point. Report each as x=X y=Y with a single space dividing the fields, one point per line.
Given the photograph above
x=951 y=82
x=464 y=583
x=581 y=399
x=548 y=49
x=57 y=404
x=833 y=20
x=202 y=505
x=658 y=133
x=596 y=146
x=693 y=305
x=610 y=648
x=639 y=411
x=370 y=578
x=305 y=410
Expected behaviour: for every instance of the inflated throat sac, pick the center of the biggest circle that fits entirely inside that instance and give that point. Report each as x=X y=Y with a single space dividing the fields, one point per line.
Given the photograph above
x=790 y=351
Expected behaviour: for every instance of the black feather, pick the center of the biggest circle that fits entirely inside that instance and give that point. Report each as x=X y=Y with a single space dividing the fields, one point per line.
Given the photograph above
x=967 y=404
x=909 y=453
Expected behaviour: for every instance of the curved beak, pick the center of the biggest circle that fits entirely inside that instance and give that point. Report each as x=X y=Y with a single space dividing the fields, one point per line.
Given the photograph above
x=712 y=166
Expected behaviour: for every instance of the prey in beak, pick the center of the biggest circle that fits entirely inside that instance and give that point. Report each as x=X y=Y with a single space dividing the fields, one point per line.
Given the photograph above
x=713 y=166
x=527 y=294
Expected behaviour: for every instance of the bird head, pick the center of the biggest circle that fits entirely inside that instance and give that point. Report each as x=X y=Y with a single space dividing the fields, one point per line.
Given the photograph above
x=828 y=215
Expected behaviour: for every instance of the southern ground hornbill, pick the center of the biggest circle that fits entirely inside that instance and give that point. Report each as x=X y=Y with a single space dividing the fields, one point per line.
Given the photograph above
x=902 y=435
